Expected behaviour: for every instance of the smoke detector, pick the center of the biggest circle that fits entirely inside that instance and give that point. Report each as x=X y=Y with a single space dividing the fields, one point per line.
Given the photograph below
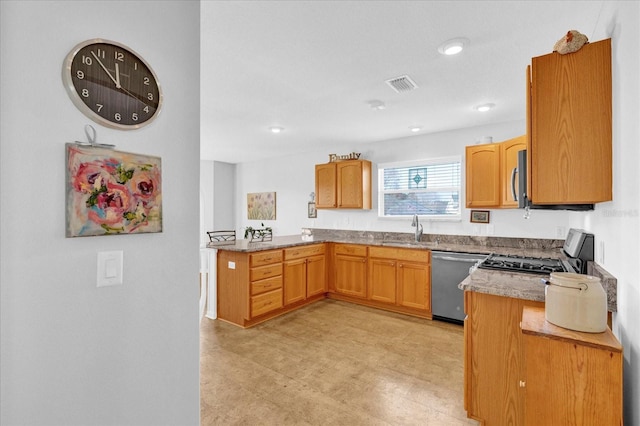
x=402 y=84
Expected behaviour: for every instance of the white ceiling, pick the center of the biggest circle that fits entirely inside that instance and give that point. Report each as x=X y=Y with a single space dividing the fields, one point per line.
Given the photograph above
x=311 y=67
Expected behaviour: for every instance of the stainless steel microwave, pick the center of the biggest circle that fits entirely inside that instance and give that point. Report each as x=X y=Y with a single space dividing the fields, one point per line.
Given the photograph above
x=519 y=192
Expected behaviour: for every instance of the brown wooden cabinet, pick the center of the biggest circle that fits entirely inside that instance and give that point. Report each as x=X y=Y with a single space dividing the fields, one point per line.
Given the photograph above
x=400 y=277
x=482 y=175
x=414 y=284
x=382 y=280
x=570 y=378
x=304 y=272
x=488 y=173
x=569 y=148
x=350 y=265
x=249 y=285
x=493 y=358
x=326 y=187
x=343 y=185
x=508 y=162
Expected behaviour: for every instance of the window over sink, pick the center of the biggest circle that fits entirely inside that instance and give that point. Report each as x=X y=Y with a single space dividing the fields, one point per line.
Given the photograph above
x=429 y=188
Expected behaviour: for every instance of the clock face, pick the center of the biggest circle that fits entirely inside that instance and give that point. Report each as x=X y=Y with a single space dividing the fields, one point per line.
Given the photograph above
x=111 y=84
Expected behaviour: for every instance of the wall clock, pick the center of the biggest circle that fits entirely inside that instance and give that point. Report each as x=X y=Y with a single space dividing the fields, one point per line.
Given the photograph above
x=112 y=84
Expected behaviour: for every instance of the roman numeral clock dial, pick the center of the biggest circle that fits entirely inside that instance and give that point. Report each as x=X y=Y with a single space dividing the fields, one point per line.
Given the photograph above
x=111 y=84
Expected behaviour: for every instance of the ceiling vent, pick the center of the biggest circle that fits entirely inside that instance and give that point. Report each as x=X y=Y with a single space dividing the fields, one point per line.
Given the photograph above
x=402 y=84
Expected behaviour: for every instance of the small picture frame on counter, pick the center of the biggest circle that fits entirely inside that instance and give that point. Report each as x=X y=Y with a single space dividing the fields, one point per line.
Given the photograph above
x=311 y=210
x=479 y=216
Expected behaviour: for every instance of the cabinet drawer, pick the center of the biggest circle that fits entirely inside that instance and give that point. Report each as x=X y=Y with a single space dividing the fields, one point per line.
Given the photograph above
x=303 y=251
x=263 y=272
x=268 y=284
x=266 y=302
x=423 y=256
x=351 y=249
x=265 y=257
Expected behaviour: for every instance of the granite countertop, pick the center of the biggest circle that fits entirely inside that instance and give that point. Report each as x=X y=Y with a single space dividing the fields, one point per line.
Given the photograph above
x=297 y=240
x=509 y=284
x=452 y=243
x=531 y=286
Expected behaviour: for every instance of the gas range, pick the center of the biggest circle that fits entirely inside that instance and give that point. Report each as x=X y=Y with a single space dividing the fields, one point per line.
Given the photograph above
x=529 y=265
x=578 y=248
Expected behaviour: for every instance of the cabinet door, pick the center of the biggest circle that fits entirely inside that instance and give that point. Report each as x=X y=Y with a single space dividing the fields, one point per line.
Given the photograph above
x=382 y=280
x=351 y=275
x=414 y=285
x=508 y=162
x=316 y=282
x=295 y=279
x=588 y=392
x=493 y=351
x=326 y=186
x=354 y=184
x=571 y=149
x=483 y=171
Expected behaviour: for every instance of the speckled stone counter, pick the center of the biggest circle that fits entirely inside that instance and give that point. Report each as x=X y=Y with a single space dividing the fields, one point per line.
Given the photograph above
x=509 y=284
x=531 y=286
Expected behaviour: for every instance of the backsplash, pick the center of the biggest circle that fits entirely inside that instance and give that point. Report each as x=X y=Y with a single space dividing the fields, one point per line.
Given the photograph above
x=483 y=241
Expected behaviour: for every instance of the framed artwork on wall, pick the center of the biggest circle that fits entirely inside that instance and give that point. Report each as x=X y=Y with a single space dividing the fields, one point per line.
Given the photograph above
x=479 y=216
x=311 y=210
x=111 y=192
x=261 y=206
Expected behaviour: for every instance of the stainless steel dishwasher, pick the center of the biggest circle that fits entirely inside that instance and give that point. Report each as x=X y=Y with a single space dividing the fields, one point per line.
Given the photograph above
x=448 y=269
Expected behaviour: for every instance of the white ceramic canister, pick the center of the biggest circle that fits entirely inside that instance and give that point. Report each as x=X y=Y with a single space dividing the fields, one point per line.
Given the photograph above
x=576 y=301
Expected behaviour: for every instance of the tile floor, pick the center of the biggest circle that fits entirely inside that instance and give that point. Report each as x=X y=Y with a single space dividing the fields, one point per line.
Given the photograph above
x=333 y=363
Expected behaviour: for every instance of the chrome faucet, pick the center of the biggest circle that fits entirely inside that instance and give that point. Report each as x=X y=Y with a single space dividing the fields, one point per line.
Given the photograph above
x=418 y=227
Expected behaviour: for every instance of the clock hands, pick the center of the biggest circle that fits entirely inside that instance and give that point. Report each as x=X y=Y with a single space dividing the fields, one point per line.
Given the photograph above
x=115 y=80
x=117 y=77
x=117 y=83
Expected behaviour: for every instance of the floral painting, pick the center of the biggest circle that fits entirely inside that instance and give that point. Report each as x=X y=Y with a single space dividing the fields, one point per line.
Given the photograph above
x=261 y=205
x=112 y=192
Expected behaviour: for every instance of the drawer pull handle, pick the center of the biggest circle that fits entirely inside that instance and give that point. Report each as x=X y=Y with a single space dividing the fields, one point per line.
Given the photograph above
x=522 y=383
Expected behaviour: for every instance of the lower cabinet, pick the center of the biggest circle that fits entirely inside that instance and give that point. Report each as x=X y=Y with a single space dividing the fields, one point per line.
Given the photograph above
x=570 y=378
x=304 y=273
x=256 y=286
x=493 y=358
x=400 y=277
x=395 y=279
x=350 y=264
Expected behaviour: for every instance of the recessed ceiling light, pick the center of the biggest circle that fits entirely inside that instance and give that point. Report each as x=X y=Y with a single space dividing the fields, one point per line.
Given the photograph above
x=415 y=128
x=453 y=46
x=485 y=107
x=377 y=105
x=276 y=129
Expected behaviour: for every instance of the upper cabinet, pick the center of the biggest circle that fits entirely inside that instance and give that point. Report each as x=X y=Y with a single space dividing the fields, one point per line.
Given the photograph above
x=569 y=126
x=489 y=171
x=343 y=185
x=508 y=163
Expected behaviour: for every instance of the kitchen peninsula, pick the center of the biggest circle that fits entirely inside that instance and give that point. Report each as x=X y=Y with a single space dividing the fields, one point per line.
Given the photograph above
x=257 y=281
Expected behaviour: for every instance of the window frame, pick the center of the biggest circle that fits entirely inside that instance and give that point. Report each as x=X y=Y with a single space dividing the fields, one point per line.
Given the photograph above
x=417 y=164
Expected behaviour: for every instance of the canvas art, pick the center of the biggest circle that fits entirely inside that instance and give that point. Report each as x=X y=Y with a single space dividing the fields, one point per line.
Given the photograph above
x=112 y=192
x=261 y=206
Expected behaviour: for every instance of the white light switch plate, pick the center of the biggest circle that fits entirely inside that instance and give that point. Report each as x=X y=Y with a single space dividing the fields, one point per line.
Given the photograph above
x=109 y=268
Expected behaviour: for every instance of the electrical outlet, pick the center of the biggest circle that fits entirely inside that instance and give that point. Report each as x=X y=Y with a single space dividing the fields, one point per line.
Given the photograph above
x=561 y=232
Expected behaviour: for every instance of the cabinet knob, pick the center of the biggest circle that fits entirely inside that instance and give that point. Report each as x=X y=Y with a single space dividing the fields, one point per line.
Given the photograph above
x=522 y=383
